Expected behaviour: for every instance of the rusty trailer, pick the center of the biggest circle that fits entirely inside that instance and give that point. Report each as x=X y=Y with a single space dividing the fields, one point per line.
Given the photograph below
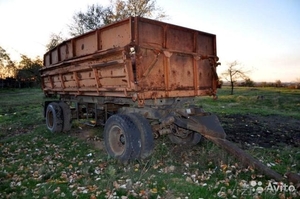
x=140 y=78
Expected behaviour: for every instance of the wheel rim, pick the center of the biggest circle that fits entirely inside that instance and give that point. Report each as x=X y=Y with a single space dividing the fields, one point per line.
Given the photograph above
x=50 y=119
x=117 y=140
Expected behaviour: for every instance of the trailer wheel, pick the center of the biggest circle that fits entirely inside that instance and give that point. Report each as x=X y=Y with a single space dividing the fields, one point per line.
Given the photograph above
x=54 y=118
x=66 y=112
x=146 y=133
x=122 y=138
x=192 y=139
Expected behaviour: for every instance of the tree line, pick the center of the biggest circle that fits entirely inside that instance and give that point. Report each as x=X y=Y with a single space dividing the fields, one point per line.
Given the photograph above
x=19 y=74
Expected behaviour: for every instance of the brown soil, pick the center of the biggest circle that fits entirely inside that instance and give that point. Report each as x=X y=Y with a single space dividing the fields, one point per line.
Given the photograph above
x=264 y=131
x=86 y=133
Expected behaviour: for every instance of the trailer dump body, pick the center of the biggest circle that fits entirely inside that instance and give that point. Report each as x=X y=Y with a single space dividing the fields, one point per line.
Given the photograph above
x=135 y=58
x=139 y=78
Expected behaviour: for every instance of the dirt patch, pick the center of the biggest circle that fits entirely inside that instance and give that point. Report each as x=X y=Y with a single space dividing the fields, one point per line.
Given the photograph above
x=245 y=130
x=265 y=131
x=87 y=134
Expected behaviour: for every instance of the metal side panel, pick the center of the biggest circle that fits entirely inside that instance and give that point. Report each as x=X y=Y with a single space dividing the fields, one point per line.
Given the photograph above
x=136 y=58
x=175 y=59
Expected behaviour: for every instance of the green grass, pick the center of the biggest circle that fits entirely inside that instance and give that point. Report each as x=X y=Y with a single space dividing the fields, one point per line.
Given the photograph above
x=20 y=110
x=38 y=164
x=262 y=101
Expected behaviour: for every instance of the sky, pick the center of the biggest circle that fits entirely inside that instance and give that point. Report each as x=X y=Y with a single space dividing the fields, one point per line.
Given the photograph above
x=262 y=35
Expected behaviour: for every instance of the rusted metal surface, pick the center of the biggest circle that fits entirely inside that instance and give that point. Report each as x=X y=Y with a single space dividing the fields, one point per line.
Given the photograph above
x=136 y=58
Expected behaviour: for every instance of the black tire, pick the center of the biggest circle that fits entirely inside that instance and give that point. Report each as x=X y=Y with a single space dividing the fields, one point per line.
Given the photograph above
x=54 y=118
x=66 y=112
x=192 y=139
x=146 y=133
x=122 y=138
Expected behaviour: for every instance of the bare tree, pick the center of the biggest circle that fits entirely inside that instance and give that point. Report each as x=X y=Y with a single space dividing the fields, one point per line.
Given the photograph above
x=143 y=8
x=54 y=40
x=234 y=73
x=97 y=16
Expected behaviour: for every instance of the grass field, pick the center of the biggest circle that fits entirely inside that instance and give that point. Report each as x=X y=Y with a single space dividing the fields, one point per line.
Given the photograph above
x=262 y=101
x=38 y=164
